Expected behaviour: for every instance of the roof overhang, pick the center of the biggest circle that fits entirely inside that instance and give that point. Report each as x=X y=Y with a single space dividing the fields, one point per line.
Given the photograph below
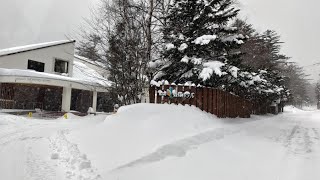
x=51 y=82
x=32 y=47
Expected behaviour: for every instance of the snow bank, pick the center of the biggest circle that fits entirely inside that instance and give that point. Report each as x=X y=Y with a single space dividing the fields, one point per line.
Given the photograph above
x=138 y=130
x=293 y=109
x=150 y=141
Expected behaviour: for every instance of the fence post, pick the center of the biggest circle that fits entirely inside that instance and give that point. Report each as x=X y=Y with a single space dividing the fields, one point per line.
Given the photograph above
x=205 y=99
x=152 y=94
x=194 y=99
x=180 y=100
x=166 y=99
x=214 y=100
x=210 y=100
x=199 y=98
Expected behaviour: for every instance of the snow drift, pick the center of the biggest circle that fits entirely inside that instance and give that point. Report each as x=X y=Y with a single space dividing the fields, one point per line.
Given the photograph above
x=140 y=129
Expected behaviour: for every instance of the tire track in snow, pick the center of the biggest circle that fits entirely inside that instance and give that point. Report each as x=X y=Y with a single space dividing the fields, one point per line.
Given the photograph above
x=302 y=140
x=180 y=147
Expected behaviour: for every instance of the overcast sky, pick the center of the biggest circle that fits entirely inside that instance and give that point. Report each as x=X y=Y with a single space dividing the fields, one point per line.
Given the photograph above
x=32 y=21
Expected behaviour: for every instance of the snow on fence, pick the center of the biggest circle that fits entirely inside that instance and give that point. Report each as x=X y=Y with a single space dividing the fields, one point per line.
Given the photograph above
x=214 y=101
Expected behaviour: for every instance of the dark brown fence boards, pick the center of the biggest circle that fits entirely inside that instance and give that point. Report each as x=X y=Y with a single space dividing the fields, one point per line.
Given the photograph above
x=166 y=100
x=193 y=101
x=152 y=95
x=205 y=99
x=180 y=100
x=199 y=98
x=211 y=100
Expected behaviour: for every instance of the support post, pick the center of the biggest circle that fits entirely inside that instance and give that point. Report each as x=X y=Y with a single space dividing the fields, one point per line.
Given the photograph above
x=66 y=99
x=94 y=101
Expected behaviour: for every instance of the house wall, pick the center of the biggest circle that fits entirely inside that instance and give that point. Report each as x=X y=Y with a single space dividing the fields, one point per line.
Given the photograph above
x=45 y=55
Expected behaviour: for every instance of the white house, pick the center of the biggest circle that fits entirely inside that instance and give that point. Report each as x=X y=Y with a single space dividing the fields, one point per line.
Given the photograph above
x=49 y=76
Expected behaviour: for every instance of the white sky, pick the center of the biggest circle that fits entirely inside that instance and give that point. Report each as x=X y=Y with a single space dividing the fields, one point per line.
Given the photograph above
x=298 y=23
x=32 y=21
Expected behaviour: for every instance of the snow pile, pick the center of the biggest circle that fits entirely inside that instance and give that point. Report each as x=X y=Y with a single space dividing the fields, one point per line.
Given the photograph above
x=140 y=129
x=293 y=109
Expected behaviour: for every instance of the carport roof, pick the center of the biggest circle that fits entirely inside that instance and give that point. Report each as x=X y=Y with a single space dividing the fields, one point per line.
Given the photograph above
x=46 y=76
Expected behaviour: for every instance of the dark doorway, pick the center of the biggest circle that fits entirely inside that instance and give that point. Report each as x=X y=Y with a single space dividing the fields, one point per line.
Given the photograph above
x=81 y=100
x=105 y=102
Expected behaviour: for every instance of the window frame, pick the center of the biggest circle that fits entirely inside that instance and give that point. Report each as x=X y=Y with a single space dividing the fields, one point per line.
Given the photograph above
x=62 y=60
x=36 y=62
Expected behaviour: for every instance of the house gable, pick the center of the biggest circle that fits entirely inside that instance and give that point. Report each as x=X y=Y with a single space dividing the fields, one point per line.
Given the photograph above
x=47 y=55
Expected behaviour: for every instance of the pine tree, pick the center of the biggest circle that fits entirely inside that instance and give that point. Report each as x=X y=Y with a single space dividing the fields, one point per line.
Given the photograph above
x=200 y=45
x=318 y=94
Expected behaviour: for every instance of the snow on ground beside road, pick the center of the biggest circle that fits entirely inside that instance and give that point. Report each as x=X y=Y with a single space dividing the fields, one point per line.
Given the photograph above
x=155 y=142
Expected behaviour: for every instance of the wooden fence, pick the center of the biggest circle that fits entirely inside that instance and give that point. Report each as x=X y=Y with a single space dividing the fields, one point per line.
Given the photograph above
x=214 y=101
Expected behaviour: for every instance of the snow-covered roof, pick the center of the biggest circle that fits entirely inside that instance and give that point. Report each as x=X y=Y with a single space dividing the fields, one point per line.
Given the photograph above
x=82 y=75
x=19 y=49
x=96 y=63
x=82 y=71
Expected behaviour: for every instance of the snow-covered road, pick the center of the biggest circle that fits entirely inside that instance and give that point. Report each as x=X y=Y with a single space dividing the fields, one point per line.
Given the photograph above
x=139 y=143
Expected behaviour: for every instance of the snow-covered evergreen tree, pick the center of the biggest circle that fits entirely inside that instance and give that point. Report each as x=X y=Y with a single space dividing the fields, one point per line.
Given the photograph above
x=200 y=45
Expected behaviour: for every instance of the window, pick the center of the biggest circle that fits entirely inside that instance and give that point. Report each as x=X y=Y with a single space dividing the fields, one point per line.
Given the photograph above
x=35 y=65
x=61 y=66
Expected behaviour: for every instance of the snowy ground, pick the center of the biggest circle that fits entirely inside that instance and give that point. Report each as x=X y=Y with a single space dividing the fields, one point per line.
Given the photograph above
x=156 y=142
